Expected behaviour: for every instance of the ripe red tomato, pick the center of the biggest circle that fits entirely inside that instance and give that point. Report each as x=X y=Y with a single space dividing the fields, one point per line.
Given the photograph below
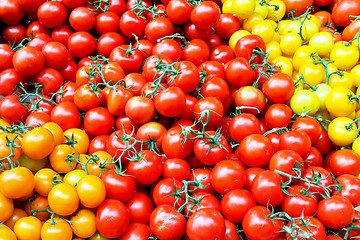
x=227 y=175
x=112 y=218
x=335 y=212
x=343 y=9
x=256 y=224
x=28 y=61
x=236 y=203
x=167 y=223
x=345 y=161
x=206 y=223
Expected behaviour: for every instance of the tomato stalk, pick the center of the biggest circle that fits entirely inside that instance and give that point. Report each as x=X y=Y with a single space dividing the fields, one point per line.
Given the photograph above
x=27 y=97
x=23 y=43
x=302 y=18
x=11 y=144
x=34 y=212
x=325 y=63
x=264 y=66
x=101 y=5
x=168 y=70
x=279 y=131
x=176 y=35
x=17 y=129
x=139 y=9
x=314 y=180
x=262 y=2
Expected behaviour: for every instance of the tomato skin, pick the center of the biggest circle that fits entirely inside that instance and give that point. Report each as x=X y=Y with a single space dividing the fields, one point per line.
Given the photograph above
x=239 y=72
x=350 y=188
x=243 y=125
x=158 y=28
x=205 y=15
x=136 y=231
x=206 y=200
x=278 y=115
x=348 y=7
x=266 y=188
x=11 y=12
x=173 y=145
x=52 y=14
x=206 y=223
x=112 y=218
x=50 y=79
x=299 y=5
x=258 y=226
x=176 y=168
x=244 y=47
x=345 y=161
x=255 y=150
x=140 y=207
x=208 y=153
x=279 y=88
x=66 y=115
x=179 y=11
x=166 y=223
x=227 y=175
x=313 y=228
x=6 y=54
x=81 y=44
x=98 y=121
x=146 y=170
x=285 y=161
x=11 y=110
x=326 y=180
x=228 y=24
x=236 y=203
x=335 y=206
x=131 y=62
x=162 y=191
x=197 y=51
x=61 y=195
x=296 y=140
x=36 y=139
x=299 y=204
x=28 y=61
x=55 y=55
x=131 y=24
x=323 y=144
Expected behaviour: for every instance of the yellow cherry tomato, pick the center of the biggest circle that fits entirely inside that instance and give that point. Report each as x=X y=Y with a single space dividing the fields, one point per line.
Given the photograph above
x=6 y=233
x=338 y=101
x=74 y=176
x=322 y=42
x=342 y=131
x=10 y=147
x=84 y=223
x=261 y=9
x=95 y=163
x=28 y=228
x=6 y=207
x=38 y=143
x=63 y=199
x=62 y=158
x=305 y=101
x=78 y=139
x=98 y=236
x=242 y=9
x=356 y=145
x=302 y=55
x=17 y=182
x=91 y=191
x=344 y=57
x=322 y=91
x=274 y=50
x=281 y=28
x=44 y=181
x=355 y=72
x=313 y=74
x=17 y=214
x=277 y=10
x=33 y=164
x=341 y=79
x=277 y=37
x=250 y=22
x=312 y=25
x=55 y=230
x=57 y=132
x=289 y=43
x=284 y=64
x=265 y=30
x=3 y=124
x=296 y=27
x=236 y=36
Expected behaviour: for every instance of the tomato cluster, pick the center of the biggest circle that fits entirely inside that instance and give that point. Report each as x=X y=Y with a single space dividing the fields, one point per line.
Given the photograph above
x=179 y=119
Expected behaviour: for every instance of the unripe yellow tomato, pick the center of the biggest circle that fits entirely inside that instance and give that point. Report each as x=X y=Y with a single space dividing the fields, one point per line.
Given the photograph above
x=344 y=57
x=274 y=50
x=322 y=42
x=289 y=43
x=284 y=64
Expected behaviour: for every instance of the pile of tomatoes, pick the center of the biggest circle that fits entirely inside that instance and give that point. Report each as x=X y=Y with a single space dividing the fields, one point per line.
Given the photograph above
x=179 y=119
